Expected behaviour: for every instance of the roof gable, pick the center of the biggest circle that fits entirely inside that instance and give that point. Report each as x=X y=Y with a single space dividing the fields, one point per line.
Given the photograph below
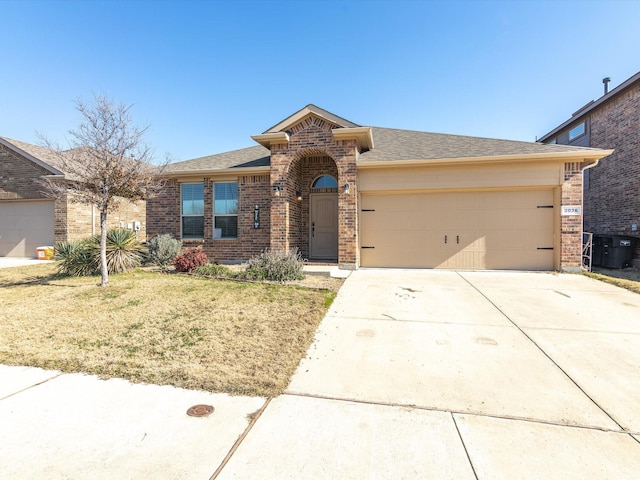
x=41 y=156
x=304 y=113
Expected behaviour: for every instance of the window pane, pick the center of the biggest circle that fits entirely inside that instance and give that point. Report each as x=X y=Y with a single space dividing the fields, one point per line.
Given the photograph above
x=325 y=181
x=192 y=227
x=228 y=225
x=193 y=199
x=225 y=198
x=576 y=131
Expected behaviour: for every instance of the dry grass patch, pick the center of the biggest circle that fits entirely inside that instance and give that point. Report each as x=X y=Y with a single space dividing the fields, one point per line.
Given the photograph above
x=187 y=331
x=628 y=278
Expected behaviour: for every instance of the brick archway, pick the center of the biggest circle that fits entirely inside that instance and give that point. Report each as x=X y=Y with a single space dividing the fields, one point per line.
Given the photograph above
x=312 y=150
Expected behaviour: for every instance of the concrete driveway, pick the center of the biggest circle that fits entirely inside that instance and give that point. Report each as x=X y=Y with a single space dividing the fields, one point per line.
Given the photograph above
x=453 y=375
x=413 y=374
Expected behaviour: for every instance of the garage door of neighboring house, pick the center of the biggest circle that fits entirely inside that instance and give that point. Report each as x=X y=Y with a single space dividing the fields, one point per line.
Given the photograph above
x=465 y=230
x=25 y=226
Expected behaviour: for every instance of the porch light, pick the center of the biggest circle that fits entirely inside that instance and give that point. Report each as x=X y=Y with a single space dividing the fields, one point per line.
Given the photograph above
x=276 y=190
x=347 y=188
x=299 y=195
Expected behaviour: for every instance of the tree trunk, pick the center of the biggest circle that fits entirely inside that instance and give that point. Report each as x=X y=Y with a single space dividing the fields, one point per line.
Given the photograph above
x=103 y=249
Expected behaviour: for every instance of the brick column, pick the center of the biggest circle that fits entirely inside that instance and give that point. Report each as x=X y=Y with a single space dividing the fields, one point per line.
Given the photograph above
x=571 y=226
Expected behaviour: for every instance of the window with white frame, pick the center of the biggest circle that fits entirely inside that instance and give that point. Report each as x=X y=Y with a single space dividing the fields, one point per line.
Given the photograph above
x=225 y=210
x=192 y=197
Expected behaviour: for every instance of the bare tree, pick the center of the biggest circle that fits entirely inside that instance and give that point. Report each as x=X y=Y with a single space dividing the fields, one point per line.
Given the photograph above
x=107 y=162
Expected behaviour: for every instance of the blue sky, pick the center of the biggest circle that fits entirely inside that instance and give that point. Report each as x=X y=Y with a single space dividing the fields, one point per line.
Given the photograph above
x=205 y=75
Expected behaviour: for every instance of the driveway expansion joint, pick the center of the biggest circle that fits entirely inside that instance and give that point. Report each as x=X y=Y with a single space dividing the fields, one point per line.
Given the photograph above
x=458 y=412
x=240 y=439
x=31 y=386
x=622 y=429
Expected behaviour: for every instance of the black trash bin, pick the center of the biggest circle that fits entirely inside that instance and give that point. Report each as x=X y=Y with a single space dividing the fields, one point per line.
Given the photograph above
x=619 y=252
x=600 y=250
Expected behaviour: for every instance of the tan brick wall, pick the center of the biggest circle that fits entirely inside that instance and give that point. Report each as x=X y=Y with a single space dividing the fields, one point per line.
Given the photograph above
x=83 y=220
x=19 y=177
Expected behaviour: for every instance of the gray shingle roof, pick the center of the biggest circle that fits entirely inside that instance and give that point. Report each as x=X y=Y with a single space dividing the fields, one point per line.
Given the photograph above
x=257 y=156
x=389 y=145
x=392 y=144
x=43 y=154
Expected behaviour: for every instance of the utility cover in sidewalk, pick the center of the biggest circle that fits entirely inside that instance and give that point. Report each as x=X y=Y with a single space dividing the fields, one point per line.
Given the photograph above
x=200 y=411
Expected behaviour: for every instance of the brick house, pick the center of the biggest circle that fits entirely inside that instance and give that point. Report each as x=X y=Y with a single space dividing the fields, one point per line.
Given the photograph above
x=380 y=197
x=611 y=189
x=30 y=219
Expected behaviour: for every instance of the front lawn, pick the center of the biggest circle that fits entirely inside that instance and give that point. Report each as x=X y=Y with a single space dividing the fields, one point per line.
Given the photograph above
x=187 y=331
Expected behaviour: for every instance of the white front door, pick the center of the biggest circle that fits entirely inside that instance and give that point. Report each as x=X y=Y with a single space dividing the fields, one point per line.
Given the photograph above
x=323 y=235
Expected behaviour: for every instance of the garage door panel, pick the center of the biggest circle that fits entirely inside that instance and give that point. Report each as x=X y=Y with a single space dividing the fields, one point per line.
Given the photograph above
x=479 y=230
x=24 y=226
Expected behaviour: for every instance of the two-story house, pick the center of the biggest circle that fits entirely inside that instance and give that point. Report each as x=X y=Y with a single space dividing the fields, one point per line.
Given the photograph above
x=612 y=188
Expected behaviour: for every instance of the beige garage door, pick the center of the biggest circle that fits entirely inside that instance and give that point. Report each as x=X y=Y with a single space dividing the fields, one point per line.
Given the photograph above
x=466 y=230
x=25 y=226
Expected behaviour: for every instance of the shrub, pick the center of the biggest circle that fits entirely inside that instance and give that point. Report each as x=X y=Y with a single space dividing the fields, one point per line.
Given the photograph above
x=82 y=257
x=163 y=249
x=76 y=258
x=191 y=258
x=276 y=266
x=213 y=270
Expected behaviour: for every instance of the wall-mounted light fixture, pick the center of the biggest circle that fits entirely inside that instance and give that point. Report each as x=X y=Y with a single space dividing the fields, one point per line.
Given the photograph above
x=299 y=195
x=276 y=190
x=347 y=188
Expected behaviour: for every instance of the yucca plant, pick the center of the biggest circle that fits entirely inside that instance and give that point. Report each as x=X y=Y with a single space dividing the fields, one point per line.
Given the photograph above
x=76 y=258
x=82 y=257
x=124 y=252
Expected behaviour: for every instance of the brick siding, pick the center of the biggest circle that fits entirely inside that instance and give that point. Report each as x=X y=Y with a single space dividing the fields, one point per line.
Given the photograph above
x=164 y=214
x=571 y=226
x=612 y=198
x=312 y=151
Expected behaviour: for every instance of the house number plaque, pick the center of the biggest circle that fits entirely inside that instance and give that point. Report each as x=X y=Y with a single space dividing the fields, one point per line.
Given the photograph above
x=571 y=210
x=256 y=217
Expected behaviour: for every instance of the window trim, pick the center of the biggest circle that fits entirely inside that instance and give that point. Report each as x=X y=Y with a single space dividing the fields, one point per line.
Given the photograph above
x=213 y=188
x=582 y=124
x=182 y=214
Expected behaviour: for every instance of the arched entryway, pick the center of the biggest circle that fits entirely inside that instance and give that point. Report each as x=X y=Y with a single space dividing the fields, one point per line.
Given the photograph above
x=323 y=218
x=305 y=209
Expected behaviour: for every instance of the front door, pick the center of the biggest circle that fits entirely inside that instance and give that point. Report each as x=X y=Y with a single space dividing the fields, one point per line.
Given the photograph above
x=323 y=233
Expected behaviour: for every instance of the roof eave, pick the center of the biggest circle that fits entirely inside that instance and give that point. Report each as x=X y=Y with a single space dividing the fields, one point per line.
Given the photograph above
x=268 y=139
x=590 y=107
x=212 y=172
x=587 y=155
x=31 y=158
x=363 y=135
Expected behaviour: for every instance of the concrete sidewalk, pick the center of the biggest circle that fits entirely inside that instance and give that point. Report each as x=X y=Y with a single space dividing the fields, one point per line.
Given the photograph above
x=413 y=374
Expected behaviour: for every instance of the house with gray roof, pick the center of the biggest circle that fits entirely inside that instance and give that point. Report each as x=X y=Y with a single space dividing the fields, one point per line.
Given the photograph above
x=30 y=217
x=363 y=196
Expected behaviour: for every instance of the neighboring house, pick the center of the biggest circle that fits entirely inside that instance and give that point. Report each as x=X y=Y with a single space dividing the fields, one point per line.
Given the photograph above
x=29 y=218
x=612 y=189
x=380 y=197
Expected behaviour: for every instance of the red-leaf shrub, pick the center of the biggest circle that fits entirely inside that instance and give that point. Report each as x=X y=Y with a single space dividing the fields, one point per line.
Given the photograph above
x=191 y=258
